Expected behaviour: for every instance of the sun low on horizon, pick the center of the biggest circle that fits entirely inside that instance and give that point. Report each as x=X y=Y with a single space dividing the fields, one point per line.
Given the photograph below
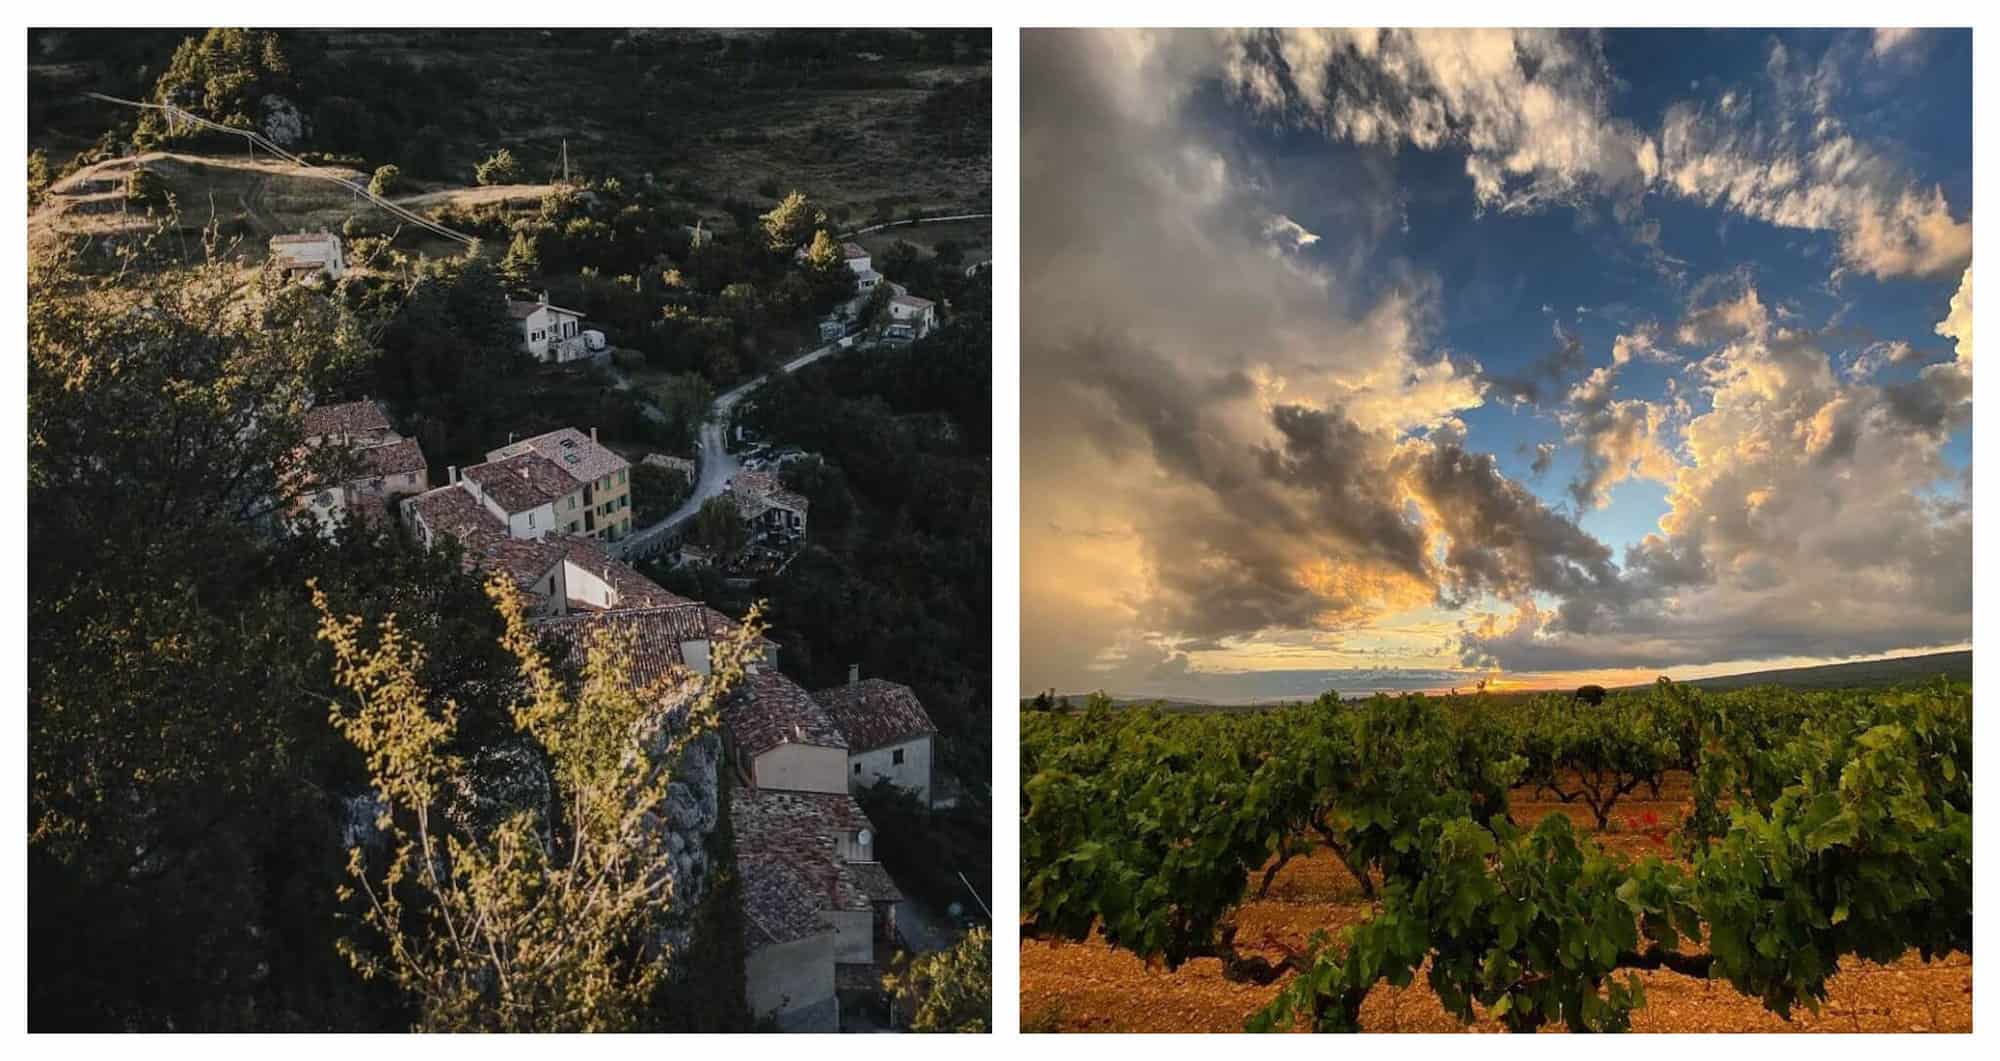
x=1363 y=360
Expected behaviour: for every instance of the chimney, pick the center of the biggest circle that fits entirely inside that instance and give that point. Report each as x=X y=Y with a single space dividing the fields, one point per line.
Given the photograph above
x=853 y=673
x=524 y=473
x=545 y=298
x=453 y=472
x=593 y=436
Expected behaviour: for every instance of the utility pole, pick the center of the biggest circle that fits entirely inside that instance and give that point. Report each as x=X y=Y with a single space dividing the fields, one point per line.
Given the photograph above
x=565 y=161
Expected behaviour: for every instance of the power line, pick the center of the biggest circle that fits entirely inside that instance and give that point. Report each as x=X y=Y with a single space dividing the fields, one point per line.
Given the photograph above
x=177 y=114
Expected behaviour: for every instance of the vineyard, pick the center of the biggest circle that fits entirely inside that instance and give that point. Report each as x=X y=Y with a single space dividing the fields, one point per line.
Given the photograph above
x=1511 y=857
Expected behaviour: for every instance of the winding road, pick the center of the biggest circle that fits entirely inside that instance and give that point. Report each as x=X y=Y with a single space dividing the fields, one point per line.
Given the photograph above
x=718 y=465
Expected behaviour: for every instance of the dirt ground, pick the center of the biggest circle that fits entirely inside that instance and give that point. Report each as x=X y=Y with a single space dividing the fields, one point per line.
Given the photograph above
x=975 y=238
x=1089 y=987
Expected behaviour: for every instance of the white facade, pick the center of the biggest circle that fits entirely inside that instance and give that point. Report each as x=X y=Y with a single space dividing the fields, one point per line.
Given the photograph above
x=918 y=313
x=529 y=523
x=859 y=260
x=906 y=765
x=853 y=935
x=328 y=505
x=800 y=768
x=793 y=983
x=309 y=255
x=550 y=333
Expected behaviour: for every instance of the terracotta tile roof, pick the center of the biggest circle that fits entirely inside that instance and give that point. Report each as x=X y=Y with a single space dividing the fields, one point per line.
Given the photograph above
x=756 y=491
x=346 y=418
x=911 y=301
x=873 y=713
x=873 y=879
x=853 y=250
x=779 y=904
x=454 y=511
x=522 y=481
x=394 y=458
x=770 y=709
x=571 y=450
x=656 y=635
x=788 y=853
x=525 y=560
x=633 y=589
x=521 y=310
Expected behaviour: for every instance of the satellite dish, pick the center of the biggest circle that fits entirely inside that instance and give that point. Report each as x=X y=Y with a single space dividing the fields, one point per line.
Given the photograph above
x=863 y=837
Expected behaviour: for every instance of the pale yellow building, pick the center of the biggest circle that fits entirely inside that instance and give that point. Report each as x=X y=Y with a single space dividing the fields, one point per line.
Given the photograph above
x=601 y=507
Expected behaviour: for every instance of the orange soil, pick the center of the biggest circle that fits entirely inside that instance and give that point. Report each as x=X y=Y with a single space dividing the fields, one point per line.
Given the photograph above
x=1089 y=987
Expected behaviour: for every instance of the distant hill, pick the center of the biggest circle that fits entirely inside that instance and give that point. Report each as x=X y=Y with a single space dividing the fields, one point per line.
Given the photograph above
x=1955 y=665
x=1869 y=674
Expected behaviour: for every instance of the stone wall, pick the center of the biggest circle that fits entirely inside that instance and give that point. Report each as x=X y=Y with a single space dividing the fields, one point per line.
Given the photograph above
x=692 y=811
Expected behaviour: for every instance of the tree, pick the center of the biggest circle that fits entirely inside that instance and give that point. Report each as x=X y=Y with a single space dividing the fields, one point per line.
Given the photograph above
x=900 y=260
x=223 y=76
x=718 y=527
x=451 y=358
x=179 y=815
x=656 y=493
x=876 y=310
x=498 y=168
x=387 y=180
x=791 y=223
x=949 y=990
x=684 y=399
x=549 y=919
x=38 y=176
x=523 y=259
x=823 y=252
x=145 y=189
x=832 y=281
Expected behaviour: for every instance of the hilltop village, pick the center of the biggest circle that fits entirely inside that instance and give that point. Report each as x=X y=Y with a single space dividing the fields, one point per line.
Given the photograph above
x=579 y=338
x=820 y=912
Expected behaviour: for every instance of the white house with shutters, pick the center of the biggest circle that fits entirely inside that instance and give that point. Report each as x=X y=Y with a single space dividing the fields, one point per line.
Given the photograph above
x=549 y=332
x=919 y=315
x=857 y=258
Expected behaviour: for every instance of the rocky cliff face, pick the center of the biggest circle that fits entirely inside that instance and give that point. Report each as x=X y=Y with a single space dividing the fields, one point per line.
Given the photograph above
x=693 y=809
x=508 y=778
x=281 y=121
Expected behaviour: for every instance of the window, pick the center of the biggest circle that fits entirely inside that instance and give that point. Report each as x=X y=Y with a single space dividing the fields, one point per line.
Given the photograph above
x=531 y=519
x=896 y=757
x=857 y=769
x=621 y=477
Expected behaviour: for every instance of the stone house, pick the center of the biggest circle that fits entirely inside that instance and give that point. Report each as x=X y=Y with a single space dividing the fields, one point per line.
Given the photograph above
x=889 y=735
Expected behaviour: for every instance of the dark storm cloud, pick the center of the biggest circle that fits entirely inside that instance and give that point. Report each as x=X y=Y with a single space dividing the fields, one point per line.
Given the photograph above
x=1547 y=377
x=1545 y=455
x=1242 y=406
x=1503 y=539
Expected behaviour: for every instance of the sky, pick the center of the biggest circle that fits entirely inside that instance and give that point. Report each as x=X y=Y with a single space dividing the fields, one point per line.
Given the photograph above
x=1378 y=359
